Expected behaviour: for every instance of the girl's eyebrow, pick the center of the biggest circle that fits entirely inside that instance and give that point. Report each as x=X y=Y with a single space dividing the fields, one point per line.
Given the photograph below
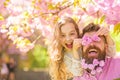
x=62 y=33
x=70 y=32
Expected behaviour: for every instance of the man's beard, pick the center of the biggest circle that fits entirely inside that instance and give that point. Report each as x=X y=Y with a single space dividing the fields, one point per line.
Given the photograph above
x=89 y=60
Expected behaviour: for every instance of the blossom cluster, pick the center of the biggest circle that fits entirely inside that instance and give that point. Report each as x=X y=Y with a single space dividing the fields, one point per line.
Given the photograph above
x=86 y=40
x=95 y=67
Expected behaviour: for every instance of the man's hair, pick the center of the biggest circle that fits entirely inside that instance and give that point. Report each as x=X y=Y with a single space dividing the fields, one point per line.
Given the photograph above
x=90 y=28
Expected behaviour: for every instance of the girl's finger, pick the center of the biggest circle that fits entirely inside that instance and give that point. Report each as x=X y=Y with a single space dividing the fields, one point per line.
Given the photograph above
x=99 y=31
x=102 y=31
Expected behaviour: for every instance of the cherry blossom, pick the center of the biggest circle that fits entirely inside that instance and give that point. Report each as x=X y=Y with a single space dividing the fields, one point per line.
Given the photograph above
x=22 y=17
x=87 y=40
x=95 y=67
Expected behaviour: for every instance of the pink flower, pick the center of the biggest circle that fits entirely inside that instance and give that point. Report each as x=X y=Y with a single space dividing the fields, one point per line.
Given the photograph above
x=83 y=61
x=99 y=69
x=84 y=65
x=95 y=62
x=112 y=15
x=93 y=10
x=96 y=38
x=102 y=63
x=86 y=40
x=104 y=3
x=93 y=72
x=91 y=66
x=95 y=67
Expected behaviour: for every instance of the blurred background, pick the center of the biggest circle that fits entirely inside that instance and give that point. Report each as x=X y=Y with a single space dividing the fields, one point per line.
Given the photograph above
x=26 y=28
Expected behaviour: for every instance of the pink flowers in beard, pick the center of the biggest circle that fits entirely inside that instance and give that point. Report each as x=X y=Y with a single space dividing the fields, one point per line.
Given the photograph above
x=92 y=66
x=95 y=62
x=102 y=63
x=84 y=65
x=99 y=69
x=93 y=72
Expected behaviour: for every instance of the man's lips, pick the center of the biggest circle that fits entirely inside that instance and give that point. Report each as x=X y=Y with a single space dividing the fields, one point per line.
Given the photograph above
x=92 y=53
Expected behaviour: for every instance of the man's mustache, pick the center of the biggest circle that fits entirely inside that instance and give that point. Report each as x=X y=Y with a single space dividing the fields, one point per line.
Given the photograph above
x=92 y=47
x=101 y=54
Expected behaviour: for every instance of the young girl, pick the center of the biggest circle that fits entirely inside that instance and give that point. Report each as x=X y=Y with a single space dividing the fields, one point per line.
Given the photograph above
x=65 y=50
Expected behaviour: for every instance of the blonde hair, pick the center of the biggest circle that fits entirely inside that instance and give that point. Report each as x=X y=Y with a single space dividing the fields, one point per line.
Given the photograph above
x=57 y=66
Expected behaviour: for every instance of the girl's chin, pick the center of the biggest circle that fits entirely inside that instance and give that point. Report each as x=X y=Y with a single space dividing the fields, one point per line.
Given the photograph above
x=68 y=49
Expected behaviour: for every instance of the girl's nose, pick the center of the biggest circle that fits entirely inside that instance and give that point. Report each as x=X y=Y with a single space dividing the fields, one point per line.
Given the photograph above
x=67 y=38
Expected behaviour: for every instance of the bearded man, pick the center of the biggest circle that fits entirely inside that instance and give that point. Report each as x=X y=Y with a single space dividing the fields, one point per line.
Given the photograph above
x=95 y=62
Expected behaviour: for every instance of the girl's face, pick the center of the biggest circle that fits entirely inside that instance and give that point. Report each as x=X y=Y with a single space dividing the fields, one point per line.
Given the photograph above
x=67 y=36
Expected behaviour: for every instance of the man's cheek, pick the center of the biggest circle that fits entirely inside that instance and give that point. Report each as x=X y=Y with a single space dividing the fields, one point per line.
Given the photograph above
x=84 y=49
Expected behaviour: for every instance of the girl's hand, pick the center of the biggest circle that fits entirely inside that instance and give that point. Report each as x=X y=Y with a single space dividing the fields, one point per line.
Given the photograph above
x=76 y=44
x=103 y=31
x=76 y=47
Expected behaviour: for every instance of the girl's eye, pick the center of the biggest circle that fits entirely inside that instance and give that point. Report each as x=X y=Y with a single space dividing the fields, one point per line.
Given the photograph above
x=72 y=33
x=62 y=35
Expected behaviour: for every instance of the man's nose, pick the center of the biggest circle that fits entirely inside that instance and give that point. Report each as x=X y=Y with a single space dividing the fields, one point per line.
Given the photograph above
x=91 y=44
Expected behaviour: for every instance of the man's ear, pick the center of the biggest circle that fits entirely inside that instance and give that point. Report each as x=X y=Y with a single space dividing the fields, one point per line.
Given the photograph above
x=107 y=50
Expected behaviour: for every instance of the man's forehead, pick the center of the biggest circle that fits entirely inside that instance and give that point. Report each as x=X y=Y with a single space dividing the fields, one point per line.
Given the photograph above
x=90 y=34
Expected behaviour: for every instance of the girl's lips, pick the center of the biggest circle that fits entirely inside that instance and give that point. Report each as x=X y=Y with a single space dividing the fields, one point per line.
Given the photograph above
x=69 y=45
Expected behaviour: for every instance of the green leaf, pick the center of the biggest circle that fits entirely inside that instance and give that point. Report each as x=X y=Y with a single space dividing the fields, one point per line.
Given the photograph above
x=117 y=41
x=117 y=28
x=51 y=6
x=1 y=17
x=101 y=20
x=76 y=2
x=96 y=21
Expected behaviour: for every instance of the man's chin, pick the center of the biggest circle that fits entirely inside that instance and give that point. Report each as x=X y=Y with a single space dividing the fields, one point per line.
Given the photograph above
x=93 y=56
x=90 y=60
